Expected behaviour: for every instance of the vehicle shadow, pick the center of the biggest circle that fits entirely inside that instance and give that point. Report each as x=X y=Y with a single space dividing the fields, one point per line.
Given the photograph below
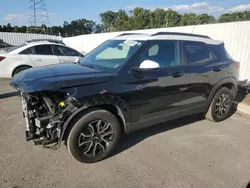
x=248 y=185
x=11 y=94
x=134 y=138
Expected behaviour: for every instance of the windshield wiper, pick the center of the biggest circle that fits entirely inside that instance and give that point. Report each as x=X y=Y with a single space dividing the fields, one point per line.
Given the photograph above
x=91 y=66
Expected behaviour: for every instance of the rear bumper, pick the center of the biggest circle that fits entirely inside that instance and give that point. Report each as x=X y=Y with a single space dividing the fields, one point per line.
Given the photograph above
x=244 y=85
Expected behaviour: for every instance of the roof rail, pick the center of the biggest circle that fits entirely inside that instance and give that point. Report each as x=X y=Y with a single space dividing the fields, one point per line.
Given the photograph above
x=123 y=34
x=49 y=40
x=183 y=34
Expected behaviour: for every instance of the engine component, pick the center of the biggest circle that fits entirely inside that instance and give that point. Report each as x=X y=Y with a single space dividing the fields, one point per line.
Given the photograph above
x=45 y=115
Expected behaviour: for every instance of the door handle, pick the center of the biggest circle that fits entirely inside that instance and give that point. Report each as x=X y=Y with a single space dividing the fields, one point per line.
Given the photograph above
x=38 y=60
x=217 y=69
x=177 y=74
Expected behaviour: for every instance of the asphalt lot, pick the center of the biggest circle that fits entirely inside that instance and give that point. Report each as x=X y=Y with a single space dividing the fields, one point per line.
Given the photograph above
x=188 y=152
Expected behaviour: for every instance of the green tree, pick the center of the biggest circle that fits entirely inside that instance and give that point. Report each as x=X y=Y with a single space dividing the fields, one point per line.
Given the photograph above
x=157 y=18
x=98 y=28
x=227 y=17
x=82 y=26
x=16 y=29
x=4 y=28
x=205 y=19
x=123 y=21
x=172 y=18
x=140 y=18
x=56 y=30
x=8 y=28
x=108 y=20
x=23 y=29
x=189 y=19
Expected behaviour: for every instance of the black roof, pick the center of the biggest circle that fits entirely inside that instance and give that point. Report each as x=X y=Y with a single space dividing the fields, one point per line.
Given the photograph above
x=181 y=34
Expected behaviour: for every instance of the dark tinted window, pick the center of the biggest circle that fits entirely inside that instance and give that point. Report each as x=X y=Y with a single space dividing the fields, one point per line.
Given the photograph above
x=220 y=52
x=30 y=50
x=15 y=47
x=164 y=52
x=197 y=52
x=64 y=51
x=43 y=50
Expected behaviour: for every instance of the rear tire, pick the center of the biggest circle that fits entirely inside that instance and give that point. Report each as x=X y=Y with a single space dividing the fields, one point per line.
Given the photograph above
x=20 y=69
x=221 y=105
x=94 y=136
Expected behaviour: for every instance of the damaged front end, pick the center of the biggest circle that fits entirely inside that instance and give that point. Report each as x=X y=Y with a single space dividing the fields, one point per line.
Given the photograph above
x=50 y=97
x=45 y=113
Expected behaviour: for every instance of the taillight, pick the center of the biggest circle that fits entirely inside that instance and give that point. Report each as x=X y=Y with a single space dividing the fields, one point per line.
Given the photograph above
x=2 y=58
x=236 y=64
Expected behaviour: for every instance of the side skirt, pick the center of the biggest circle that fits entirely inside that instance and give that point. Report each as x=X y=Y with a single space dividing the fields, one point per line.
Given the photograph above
x=157 y=118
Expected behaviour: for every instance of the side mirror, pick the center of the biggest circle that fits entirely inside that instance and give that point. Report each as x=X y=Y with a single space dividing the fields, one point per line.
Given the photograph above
x=146 y=65
x=149 y=65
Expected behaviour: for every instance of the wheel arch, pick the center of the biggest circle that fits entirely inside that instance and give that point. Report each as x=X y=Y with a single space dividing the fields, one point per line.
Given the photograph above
x=112 y=104
x=19 y=66
x=231 y=83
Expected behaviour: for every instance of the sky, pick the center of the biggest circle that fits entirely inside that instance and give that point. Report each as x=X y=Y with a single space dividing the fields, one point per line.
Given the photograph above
x=16 y=12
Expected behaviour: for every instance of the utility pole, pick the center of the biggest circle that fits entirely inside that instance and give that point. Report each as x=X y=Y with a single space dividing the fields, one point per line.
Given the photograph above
x=38 y=17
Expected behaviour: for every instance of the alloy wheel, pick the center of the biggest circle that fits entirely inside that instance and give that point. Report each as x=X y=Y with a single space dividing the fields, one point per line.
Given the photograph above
x=96 y=138
x=222 y=105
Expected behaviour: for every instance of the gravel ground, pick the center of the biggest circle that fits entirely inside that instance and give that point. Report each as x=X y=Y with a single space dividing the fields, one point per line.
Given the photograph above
x=188 y=152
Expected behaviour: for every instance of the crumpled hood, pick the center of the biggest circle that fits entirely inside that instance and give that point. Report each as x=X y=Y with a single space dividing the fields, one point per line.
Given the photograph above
x=56 y=77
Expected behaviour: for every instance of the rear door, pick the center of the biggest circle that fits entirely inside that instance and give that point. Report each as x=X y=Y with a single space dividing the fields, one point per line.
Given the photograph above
x=200 y=72
x=66 y=55
x=43 y=55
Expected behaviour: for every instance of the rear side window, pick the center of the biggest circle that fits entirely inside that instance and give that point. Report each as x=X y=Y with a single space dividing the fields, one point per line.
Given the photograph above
x=43 y=50
x=64 y=51
x=28 y=51
x=220 y=52
x=197 y=52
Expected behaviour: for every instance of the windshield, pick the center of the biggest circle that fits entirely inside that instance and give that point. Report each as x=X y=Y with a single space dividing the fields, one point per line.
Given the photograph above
x=112 y=54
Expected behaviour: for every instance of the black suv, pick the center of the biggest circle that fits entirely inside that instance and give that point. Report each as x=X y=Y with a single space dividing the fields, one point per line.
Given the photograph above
x=127 y=83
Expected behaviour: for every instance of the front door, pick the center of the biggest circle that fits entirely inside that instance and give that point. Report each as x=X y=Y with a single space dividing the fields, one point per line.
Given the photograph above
x=156 y=92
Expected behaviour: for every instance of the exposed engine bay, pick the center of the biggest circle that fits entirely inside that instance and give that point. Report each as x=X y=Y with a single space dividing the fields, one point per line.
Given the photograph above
x=45 y=114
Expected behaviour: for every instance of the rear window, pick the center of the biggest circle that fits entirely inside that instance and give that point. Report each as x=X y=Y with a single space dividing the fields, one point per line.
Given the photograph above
x=15 y=47
x=220 y=52
x=197 y=52
x=30 y=51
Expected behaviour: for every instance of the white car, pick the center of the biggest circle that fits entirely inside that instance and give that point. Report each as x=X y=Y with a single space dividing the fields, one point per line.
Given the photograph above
x=35 y=53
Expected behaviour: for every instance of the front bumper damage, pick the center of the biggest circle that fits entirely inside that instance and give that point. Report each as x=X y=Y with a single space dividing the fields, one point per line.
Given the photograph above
x=45 y=117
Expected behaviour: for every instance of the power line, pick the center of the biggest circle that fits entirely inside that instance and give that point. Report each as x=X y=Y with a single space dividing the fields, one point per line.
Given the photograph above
x=38 y=17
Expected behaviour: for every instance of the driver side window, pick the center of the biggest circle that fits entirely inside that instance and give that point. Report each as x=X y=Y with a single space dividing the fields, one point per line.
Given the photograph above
x=163 y=52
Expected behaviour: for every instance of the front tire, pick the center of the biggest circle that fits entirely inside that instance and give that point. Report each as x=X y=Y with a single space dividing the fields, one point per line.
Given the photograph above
x=221 y=105
x=94 y=136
